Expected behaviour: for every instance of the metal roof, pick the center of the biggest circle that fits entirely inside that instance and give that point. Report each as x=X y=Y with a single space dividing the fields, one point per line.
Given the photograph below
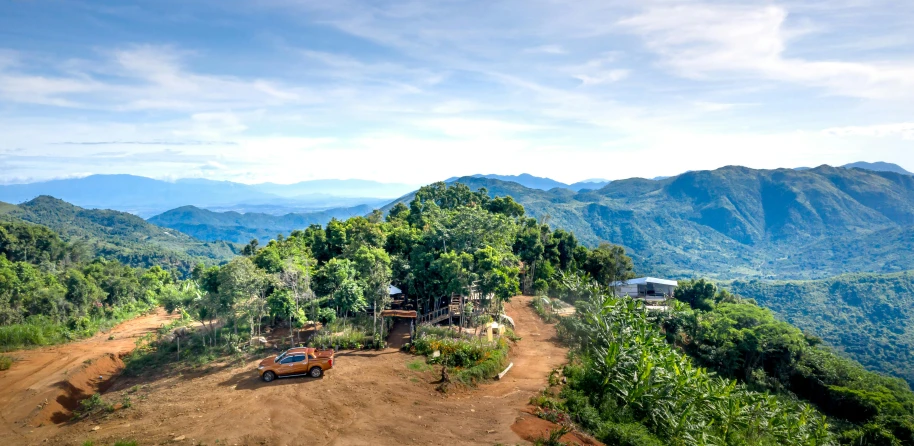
x=647 y=280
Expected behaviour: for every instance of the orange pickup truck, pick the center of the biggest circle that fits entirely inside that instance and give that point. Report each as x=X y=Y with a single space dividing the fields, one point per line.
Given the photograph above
x=299 y=361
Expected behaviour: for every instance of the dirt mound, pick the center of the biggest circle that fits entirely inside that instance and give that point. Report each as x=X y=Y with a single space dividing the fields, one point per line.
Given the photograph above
x=532 y=428
x=95 y=376
x=45 y=385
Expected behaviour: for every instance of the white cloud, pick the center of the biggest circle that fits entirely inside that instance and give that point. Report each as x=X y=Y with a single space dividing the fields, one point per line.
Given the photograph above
x=546 y=49
x=903 y=130
x=713 y=106
x=143 y=77
x=705 y=40
x=602 y=78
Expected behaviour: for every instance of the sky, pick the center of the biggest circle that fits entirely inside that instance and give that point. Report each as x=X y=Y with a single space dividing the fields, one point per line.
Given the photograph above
x=418 y=91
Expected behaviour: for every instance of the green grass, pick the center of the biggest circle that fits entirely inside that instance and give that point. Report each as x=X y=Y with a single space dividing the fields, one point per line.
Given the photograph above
x=40 y=330
x=92 y=405
x=352 y=333
x=418 y=366
x=155 y=353
x=5 y=362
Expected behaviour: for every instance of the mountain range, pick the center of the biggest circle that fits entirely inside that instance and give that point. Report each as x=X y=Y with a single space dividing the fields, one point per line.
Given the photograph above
x=542 y=183
x=737 y=222
x=147 y=197
x=119 y=235
x=241 y=228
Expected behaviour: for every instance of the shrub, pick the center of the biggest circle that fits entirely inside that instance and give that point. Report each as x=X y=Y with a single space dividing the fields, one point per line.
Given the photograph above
x=627 y=434
x=5 y=362
x=326 y=315
x=555 y=437
x=92 y=405
x=471 y=359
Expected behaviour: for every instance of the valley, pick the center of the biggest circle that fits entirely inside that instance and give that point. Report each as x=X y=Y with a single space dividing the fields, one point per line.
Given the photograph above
x=826 y=249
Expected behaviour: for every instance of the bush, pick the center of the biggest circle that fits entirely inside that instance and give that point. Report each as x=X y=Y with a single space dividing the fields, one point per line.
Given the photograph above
x=326 y=315
x=627 y=434
x=540 y=307
x=472 y=360
x=92 y=405
x=5 y=362
x=354 y=333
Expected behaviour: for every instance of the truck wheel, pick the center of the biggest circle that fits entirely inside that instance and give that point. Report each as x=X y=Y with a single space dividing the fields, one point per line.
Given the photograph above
x=269 y=376
x=316 y=372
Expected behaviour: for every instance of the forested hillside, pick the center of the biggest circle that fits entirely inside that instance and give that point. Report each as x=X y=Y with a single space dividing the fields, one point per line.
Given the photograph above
x=52 y=291
x=737 y=222
x=242 y=228
x=118 y=235
x=870 y=317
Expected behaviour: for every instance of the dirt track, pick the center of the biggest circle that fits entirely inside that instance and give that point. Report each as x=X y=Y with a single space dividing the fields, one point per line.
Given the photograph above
x=45 y=384
x=368 y=398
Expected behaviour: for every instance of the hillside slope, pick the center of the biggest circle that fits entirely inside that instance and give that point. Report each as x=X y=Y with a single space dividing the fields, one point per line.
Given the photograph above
x=119 y=235
x=870 y=317
x=737 y=222
x=241 y=228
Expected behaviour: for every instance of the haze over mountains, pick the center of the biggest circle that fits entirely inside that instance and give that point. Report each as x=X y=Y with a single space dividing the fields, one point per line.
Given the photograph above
x=241 y=228
x=147 y=197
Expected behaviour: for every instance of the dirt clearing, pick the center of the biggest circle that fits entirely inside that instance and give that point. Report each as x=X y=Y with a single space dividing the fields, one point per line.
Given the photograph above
x=45 y=385
x=370 y=398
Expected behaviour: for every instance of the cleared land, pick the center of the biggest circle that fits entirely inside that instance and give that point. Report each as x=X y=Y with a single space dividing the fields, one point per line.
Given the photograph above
x=370 y=398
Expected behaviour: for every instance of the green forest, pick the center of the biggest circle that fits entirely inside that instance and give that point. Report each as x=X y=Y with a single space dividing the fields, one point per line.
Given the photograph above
x=52 y=291
x=118 y=235
x=868 y=317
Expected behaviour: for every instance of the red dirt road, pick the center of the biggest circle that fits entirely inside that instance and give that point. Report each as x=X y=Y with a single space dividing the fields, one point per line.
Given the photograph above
x=370 y=398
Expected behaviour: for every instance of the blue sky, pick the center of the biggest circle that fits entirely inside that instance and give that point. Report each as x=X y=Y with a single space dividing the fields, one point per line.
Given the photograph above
x=417 y=91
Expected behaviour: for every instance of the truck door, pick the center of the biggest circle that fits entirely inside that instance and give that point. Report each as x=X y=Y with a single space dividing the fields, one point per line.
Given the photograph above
x=299 y=364
x=287 y=365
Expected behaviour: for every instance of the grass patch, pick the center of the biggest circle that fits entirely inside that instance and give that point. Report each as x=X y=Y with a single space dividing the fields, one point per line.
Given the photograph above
x=418 y=366
x=352 y=333
x=543 y=309
x=42 y=330
x=5 y=362
x=197 y=348
x=91 y=406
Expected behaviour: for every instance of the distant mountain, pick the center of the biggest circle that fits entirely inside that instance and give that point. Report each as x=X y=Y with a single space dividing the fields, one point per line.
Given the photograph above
x=241 y=228
x=878 y=166
x=737 y=222
x=524 y=179
x=541 y=183
x=146 y=196
x=592 y=184
x=336 y=188
x=119 y=235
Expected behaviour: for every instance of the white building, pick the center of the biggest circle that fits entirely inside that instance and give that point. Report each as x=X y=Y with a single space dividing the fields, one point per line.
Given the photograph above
x=650 y=289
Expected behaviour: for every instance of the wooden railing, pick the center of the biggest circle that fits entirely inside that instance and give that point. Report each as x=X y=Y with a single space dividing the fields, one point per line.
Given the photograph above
x=435 y=316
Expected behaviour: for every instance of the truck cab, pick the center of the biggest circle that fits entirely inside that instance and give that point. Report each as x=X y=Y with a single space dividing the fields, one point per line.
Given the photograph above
x=299 y=361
